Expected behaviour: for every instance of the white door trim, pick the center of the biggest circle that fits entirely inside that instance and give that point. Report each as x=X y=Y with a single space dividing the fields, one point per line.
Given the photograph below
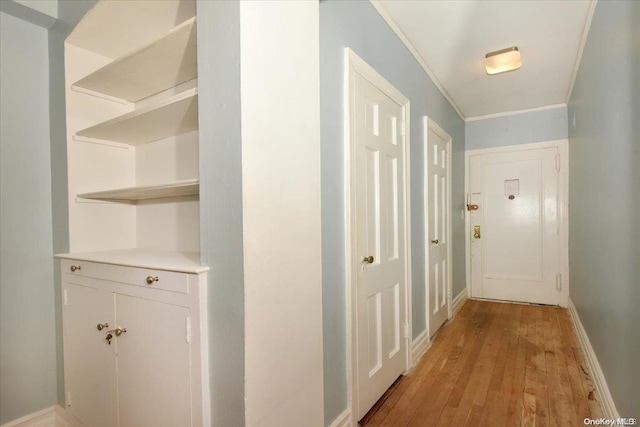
x=430 y=124
x=563 y=205
x=355 y=64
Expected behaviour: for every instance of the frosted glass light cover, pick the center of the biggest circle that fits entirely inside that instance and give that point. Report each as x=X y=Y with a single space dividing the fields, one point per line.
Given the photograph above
x=501 y=61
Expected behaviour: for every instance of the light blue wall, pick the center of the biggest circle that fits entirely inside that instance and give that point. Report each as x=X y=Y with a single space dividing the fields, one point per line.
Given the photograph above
x=604 y=197
x=356 y=24
x=221 y=230
x=27 y=314
x=515 y=129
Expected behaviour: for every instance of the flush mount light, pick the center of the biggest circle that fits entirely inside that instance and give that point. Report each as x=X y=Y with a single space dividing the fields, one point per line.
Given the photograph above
x=502 y=60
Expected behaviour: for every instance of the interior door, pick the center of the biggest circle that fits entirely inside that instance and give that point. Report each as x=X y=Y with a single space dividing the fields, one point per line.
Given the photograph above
x=91 y=376
x=438 y=214
x=379 y=210
x=153 y=364
x=515 y=234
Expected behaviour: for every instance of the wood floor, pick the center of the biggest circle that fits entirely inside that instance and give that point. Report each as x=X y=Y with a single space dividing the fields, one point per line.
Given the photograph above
x=495 y=364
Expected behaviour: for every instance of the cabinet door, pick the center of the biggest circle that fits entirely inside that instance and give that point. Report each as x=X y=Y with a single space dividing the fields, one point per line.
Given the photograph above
x=89 y=359
x=153 y=364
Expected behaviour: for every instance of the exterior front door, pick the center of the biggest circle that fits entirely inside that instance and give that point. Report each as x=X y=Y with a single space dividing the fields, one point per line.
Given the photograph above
x=515 y=233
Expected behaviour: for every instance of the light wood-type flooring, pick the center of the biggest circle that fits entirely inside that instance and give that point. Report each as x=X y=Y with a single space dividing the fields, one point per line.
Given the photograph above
x=495 y=364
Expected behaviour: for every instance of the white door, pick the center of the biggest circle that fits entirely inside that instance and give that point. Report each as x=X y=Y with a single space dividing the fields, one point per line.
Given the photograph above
x=515 y=234
x=437 y=161
x=380 y=247
x=90 y=359
x=153 y=364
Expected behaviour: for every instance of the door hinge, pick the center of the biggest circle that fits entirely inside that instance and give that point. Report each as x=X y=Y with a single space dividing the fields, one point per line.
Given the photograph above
x=68 y=399
x=188 y=330
x=406 y=330
x=558 y=162
x=403 y=129
x=558 y=282
x=64 y=296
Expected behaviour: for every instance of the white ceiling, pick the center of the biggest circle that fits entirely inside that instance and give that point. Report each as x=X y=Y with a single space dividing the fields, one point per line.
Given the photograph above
x=452 y=38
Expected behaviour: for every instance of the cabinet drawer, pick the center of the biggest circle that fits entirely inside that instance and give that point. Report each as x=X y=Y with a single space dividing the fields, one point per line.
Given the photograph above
x=148 y=278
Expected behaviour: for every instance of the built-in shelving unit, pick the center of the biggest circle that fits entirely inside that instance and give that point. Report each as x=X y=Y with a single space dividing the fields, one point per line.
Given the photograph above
x=170 y=117
x=187 y=187
x=132 y=121
x=160 y=65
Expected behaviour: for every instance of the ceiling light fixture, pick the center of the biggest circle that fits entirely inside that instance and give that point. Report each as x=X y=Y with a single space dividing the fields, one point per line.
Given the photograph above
x=502 y=60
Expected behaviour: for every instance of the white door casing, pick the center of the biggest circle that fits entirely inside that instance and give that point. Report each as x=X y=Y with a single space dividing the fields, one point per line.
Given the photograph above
x=437 y=188
x=377 y=226
x=521 y=254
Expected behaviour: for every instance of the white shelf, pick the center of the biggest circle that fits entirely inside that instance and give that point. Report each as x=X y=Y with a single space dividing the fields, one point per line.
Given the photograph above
x=171 y=117
x=185 y=262
x=188 y=187
x=160 y=65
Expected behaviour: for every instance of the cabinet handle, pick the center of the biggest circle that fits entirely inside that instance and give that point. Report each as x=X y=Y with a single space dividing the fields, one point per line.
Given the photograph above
x=75 y=267
x=101 y=326
x=118 y=331
x=151 y=279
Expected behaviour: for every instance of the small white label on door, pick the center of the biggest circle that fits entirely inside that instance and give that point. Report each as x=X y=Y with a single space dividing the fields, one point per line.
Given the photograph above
x=511 y=187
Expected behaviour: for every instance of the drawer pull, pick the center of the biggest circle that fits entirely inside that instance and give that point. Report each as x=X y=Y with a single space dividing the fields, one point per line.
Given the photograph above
x=151 y=279
x=75 y=267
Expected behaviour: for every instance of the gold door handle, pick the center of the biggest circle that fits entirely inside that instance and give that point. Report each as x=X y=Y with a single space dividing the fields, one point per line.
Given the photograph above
x=101 y=326
x=435 y=242
x=476 y=231
x=75 y=267
x=151 y=279
x=368 y=259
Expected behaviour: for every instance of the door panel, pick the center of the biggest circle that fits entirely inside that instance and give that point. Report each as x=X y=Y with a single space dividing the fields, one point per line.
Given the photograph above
x=90 y=360
x=437 y=211
x=379 y=212
x=516 y=257
x=153 y=364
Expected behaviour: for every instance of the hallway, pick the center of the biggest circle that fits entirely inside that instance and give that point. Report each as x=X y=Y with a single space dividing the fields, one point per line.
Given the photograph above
x=495 y=364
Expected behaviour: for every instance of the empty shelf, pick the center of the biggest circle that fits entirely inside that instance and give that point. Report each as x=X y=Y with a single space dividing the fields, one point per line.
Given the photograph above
x=175 y=116
x=188 y=187
x=162 y=64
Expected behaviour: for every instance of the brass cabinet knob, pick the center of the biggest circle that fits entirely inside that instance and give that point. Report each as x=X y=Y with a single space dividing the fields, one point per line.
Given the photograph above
x=368 y=259
x=101 y=326
x=118 y=331
x=435 y=242
x=75 y=267
x=151 y=279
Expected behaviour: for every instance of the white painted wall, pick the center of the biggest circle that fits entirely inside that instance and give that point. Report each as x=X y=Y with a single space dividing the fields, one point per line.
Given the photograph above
x=281 y=213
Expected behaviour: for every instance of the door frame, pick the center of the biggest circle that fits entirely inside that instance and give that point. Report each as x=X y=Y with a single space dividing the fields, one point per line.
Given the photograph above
x=354 y=64
x=431 y=124
x=563 y=205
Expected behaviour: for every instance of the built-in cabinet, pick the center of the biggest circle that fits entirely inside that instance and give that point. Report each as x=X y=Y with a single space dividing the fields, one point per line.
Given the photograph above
x=134 y=290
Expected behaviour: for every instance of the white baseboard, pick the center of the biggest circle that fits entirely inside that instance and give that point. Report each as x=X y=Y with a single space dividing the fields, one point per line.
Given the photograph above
x=43 y=418
x=459 y=301
x=419 y=347
x=343 y=420
x=55 y=416
x=604 y=395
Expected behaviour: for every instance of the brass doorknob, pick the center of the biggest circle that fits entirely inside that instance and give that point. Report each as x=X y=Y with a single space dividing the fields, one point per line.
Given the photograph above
x=75 y=267
x=435 y=242
x=151 y=279
x=101 y=326
x=368 y=259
